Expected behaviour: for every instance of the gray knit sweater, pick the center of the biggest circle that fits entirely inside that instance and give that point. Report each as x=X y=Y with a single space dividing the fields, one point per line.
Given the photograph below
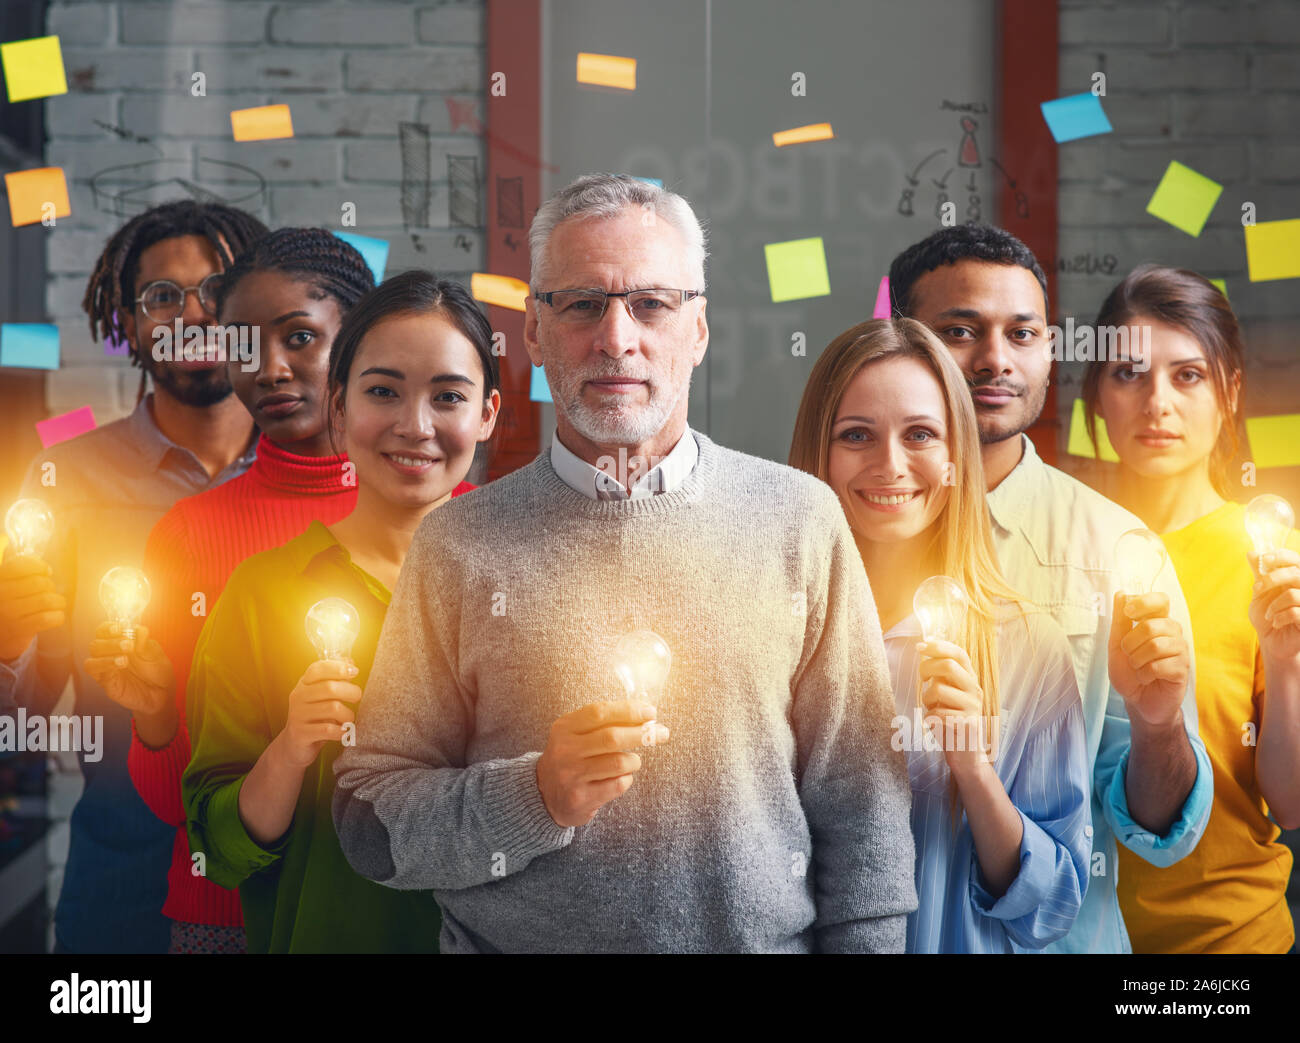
x=775 y=819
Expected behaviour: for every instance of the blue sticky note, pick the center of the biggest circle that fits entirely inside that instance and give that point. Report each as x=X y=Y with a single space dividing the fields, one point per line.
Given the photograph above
x=538 y=389
x=658 y=182
x=375 y=251
x=1077 y=116
x=29 y=345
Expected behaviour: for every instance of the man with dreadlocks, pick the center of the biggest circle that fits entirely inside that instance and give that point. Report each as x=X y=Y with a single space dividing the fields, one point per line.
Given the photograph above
x=291 y=290
x=106 y=490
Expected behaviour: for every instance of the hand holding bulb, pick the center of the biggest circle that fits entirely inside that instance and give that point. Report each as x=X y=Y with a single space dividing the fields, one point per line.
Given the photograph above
x=322 y=703
x=950 y=691
x=29 y=602
x=1275 y=605
x=587 y=760
x=135 y=673
x=1148 y=658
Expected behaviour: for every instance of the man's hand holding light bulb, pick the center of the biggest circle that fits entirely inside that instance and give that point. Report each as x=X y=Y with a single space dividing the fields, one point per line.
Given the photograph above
x=586 y=763
x=1148 y=657
x=29 y=602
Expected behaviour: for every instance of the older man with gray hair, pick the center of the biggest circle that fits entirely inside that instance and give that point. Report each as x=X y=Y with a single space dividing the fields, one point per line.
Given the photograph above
x=495 y=757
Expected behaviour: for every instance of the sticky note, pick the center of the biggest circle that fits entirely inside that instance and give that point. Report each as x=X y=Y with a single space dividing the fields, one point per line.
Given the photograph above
x=29 y=345
x=259 y=124
x=538 y=389
x=607 y=70
x=801 y=135
x=373 y=251
x=68 y=425
x=797 y=269
x=33 y=68
x=658 y=182
x=1184 y=198
x=1221 y=285
x=1076 y=116
x=29 y=192
x=1080 y=444
x=1274 y=440
x=501 y=290
x=1273 y=250
x=882 y=309
x=115 y=343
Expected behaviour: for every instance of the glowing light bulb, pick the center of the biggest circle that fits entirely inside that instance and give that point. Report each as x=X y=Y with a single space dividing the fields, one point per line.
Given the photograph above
x=940 y=605
x=124 y=593
x=29 y=526
x=642 y=661
x=1139 y=558
x=332 y=627
x=1269 y=521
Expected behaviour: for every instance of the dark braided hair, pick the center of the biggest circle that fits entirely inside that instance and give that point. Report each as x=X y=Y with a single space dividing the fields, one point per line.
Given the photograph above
x=333 y=266
x=112 y=283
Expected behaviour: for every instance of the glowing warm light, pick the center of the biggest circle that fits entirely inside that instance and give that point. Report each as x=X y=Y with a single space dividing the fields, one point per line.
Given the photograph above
x=607 y=70
x=940 y=605
x=29 y=526
x=642 y=661
x=124 y=593
x=1269 y=521
x=332 y=627
x=802 y=135
x=501 y=290
x=1139 y=558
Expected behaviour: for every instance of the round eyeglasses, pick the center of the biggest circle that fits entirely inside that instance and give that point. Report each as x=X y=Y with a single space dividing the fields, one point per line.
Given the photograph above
x=163 y=300
x=653 y=307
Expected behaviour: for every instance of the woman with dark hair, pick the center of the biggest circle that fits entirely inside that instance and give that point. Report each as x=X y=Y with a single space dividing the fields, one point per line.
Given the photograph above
x=413 y=389
x=1173 y=415
x=285 y=294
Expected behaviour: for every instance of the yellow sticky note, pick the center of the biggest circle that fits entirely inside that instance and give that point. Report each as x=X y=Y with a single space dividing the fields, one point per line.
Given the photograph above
x=1221 y=286
x=1184 y=198
x=607 y=70
x=501 y=290
x=267 y=121
x=37 y=194
x=1080 y=444
x=33 y=68
x=800 y=135
x=797 y=269
x=1274 y=440
x=1273 y=250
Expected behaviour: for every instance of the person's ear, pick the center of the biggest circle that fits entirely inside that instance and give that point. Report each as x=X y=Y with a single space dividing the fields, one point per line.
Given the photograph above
x=1234 y=396
x=530 y=332
x=334 y=418
x=491 y=410
x=701 y=333
x=126 y=323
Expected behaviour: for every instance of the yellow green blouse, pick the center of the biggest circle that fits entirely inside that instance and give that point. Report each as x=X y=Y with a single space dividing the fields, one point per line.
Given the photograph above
x=300 y=894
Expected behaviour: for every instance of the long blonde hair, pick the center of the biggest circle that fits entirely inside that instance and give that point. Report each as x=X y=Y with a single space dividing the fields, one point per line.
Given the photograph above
x=962 y=543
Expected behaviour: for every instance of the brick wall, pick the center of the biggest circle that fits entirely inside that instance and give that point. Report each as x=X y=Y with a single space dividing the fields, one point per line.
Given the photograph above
x=350 y=72
x=1215 y=86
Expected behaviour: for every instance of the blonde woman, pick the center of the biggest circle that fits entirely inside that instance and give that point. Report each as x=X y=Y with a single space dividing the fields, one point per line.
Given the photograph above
x=991 y=726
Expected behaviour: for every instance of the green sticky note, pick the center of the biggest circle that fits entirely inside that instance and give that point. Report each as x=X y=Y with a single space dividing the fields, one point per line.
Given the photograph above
x=797 y=269
x=1184 y=198
x=1273 y=250
x=33 y=68
x=1221 y=286
x=1080 y=444
x=1274 y=440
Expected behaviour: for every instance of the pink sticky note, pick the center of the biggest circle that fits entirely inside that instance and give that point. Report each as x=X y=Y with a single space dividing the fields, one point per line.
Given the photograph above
x=882 y=310
x=69 y=425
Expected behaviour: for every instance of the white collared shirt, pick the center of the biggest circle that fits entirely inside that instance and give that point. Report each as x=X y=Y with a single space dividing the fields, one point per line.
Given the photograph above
x=607 y=482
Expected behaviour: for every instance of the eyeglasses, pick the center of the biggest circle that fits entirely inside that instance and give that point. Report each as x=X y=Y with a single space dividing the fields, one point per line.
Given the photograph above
x=163 y=300
x=654 y=307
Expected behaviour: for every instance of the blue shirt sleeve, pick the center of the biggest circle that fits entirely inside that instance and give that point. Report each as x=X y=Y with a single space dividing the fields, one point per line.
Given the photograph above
x=1050 y=793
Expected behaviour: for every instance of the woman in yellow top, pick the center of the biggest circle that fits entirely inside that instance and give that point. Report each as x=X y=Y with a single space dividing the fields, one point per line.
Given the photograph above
x=412 y=390
x=1174 y=426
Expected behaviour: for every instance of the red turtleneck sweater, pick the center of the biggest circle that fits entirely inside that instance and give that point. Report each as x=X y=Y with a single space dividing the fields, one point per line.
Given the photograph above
x=191 y=551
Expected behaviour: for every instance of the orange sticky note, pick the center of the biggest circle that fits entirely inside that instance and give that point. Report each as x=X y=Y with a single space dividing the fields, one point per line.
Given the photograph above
x=501 y=290
x=31 y=192
x=607 y=70
x=800 y=135
x=259 y=124
x=33 y=68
